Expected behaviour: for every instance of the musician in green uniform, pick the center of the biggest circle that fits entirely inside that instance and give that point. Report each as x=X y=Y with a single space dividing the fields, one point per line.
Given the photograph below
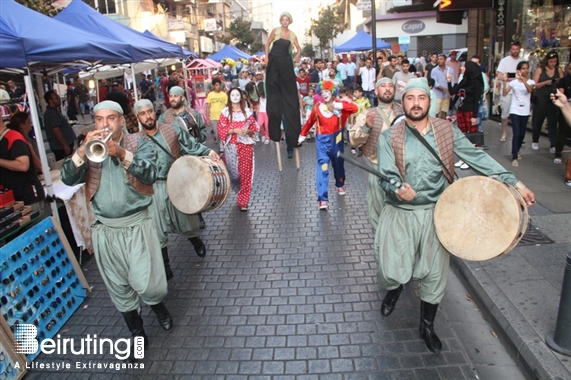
x=170 y=143
x=405 y=239
x=125 y=241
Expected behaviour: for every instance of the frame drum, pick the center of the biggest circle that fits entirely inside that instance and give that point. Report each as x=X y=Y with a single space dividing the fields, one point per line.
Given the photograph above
x=478 y=218
x=197 y=184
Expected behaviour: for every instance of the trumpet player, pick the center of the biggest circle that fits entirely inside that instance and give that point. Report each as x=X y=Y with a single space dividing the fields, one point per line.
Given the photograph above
x=120 y=188
x=170 y=143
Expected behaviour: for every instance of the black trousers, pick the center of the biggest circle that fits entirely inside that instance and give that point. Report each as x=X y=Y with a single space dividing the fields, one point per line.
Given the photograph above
x=282 y=99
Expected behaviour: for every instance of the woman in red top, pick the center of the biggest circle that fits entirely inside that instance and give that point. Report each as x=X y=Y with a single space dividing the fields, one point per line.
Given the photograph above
x=238 y=130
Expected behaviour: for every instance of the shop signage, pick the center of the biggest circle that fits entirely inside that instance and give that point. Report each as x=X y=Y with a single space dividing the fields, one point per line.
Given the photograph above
x=413 y=26
x=404 y=40
x=462 y=5
x=364 y=5
x=501 y=12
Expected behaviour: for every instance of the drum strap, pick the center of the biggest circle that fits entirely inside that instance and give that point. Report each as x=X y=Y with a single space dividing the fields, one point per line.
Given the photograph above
x=160 y=146
x=417 y=134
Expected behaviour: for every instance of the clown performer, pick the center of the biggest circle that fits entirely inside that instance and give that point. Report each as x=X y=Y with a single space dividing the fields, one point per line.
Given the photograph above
x=330 y=117
x=238 y=129
x=281 y=86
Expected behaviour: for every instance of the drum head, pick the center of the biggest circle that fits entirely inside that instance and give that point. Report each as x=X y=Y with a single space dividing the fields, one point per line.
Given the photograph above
x=189 y=184
x=478 y=218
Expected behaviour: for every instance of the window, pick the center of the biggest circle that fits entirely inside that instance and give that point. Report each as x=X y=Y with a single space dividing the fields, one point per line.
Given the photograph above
x=106 y=7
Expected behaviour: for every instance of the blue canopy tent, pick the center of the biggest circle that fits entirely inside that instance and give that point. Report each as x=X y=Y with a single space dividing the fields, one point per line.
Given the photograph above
x=82 y=16
x=229 y=52
x=362 y=41
x=29 y=38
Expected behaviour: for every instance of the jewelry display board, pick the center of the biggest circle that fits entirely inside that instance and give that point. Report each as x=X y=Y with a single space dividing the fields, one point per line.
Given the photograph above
x=41 y=283
x=8 y=358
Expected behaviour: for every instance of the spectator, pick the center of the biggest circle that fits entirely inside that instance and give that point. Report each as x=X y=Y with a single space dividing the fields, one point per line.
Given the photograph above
x=215 y=103
x=303 y=81
x=430 y=65
x=316 y=75
x=389 y=70
x=15 y=91
x=546 y=77
x=72 y=101
x=400 y=79
x=564 y=86
x=520 y=107
x=441 y=86
x=82 y=92
x=17 y=172
x=60 y=135
x=4 y=95
x=453 y=63
x=506 y=73
x=367 y=75
x=22 y=122
x=350 y=69
x=146 y=88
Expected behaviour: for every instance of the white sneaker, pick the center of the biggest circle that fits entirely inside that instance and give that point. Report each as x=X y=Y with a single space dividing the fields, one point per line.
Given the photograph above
x=263 y=138
x=267 y=141
x=458 y=164
x=464 y=166
x=535 y=146
x=568 y=182
x=552 y=150
x=557 y=161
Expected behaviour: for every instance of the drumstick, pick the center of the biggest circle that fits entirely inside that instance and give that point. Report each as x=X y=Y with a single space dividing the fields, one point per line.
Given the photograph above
x=279 y=156
x=297 y=158
x=369 y=169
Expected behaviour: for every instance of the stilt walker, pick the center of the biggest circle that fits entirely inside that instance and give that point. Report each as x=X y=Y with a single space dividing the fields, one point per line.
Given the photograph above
x=281 y=87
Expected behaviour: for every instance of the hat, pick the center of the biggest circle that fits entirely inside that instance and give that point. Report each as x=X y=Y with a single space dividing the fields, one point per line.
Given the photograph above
x=383 y=80
x=143 y=103
x=417 y=84
x=288 y=15
x=108 y=105
x=259 y=73
x=453 y=52
x=176 y=90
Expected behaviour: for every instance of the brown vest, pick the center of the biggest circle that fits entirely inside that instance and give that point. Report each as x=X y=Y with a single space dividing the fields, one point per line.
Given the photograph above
x=171 y=138
x=370 y=147
x=444 y=136
x=130 y=143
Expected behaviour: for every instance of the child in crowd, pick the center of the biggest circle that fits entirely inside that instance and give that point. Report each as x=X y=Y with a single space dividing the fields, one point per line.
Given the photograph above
x=432 y=109
x=363 y=104
x=262 y=115
x=252 y=98
x=308 y=106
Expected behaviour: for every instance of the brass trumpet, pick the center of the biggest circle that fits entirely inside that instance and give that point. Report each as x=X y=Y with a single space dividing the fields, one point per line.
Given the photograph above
x=96 y=150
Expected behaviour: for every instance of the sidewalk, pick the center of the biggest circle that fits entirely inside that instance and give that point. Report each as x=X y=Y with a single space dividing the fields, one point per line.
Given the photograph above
x=521 y=291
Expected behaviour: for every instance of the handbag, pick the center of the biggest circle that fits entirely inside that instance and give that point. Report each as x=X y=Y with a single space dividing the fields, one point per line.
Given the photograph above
x=476 y=138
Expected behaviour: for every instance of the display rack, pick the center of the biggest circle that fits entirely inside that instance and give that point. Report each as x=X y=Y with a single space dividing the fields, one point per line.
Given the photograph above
x=9 y=357
x=42 y=284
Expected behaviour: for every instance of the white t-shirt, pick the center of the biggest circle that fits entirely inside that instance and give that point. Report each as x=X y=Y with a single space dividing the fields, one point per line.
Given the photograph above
x=521 y=98
x=400 y=80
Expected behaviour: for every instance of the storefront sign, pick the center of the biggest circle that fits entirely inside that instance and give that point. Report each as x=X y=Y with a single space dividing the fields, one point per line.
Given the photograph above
x=413 y=26
x=404 y=40
x=500 y=19
x=462 y=5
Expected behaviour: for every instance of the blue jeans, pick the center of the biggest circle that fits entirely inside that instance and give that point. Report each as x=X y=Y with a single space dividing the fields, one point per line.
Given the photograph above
x=371 y=96
x=519 y=124
x=327 y=148
x=349 y=82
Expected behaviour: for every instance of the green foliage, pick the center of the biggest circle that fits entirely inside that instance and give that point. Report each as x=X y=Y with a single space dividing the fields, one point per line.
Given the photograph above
x=240 y=29
x=256 y=47
x=43 y=6
x=327 y=26
x=307 y=50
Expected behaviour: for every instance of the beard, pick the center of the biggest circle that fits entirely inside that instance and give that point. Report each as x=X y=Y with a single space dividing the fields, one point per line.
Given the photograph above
x=386 y=97
x=413 y=117
x=176 y=105
x=149 y=125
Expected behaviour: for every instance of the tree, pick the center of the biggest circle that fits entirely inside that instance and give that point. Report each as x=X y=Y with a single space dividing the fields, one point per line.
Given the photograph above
x=241 y=30
x=307 y=50
x=43 y=6
x=256 y=47
x=327 y=26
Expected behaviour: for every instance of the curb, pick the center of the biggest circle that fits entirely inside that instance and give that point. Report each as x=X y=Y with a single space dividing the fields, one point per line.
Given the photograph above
x=529 y=348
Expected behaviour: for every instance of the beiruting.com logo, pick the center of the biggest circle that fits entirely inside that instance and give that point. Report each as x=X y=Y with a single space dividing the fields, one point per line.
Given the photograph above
x=26 y=343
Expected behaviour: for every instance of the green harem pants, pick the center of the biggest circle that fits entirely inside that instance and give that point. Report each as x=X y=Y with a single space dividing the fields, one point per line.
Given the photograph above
x=375 y=200
x=168 y=219
x=406 y=246
x=128 y=255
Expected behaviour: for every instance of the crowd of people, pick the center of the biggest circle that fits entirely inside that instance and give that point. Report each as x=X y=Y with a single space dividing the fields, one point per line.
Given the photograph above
x=395 y=113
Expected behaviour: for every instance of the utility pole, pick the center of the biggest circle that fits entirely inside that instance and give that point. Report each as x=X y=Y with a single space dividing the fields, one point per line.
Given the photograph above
x=374 y=29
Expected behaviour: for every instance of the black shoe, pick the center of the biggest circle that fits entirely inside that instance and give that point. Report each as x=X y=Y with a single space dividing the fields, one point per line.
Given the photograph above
x=390 y=301
x=166 y=262
x=360 y=152
x=290 y=153
x=202 y=222
x=163 y=315
x=427 y=316
x=135 y=325
x=198 y=245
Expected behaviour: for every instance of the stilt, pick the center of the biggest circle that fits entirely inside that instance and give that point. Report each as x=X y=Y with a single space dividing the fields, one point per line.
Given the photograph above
x=279 y=156
x=296 y=158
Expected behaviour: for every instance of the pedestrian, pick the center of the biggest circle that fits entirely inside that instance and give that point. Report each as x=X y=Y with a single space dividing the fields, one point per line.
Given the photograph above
x=330 y=117
x=431 y=65
x=405 y=239
x=365 y=133
x=22 y=122
x=83 y=95
x=281 y=88
x=368 y=75
x=507 y=71
x=473 y=86
x=350 y=69
x=546 y=77
x=72 y=101
x=454 y=64
x=441 y=86
x=237 y=130
x=400 y=78
x=170 y=143
x=262 y=114
x=215 y=103
x=389 y=70
x=59 y=133
x=564 y=85
x=520 y=107
x=125 y=240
